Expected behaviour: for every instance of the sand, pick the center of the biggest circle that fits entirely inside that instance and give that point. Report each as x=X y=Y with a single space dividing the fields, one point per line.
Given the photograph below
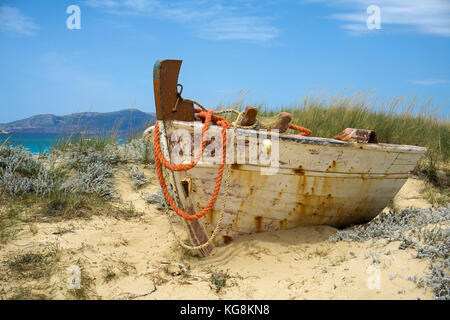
x=410 y=195
x=144 y=261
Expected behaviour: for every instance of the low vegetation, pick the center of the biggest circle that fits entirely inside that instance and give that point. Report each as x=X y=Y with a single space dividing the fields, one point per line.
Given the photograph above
x=82 y=143
x=35 y=264
x=9 y=218
x=219 y=280
x=73 y=181
x=156 y=199
x=138 y=178
x=109 y=274
x=427 y=231
x=31 y=269
x=27 y=294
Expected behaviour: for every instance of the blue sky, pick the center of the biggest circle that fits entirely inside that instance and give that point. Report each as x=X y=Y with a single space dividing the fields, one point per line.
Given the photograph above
x=277 y=51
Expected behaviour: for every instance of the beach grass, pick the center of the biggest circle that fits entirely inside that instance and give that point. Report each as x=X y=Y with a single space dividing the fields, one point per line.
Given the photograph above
x=35 y=264
x=395 y=122
x=84 y=142
x=399 y=120
x=9 y=219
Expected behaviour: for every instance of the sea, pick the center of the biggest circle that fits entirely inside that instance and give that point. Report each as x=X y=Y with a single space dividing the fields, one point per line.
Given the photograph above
x=37 y=142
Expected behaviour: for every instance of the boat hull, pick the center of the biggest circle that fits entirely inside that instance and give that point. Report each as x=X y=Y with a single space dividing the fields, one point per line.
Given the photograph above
x=318 y=181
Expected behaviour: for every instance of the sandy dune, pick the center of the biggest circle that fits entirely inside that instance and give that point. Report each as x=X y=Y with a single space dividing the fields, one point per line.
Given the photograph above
x=140 y=259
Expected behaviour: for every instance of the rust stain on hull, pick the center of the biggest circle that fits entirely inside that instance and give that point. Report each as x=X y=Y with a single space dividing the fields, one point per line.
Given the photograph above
x=299 y=171
x=314 y=203
x=258 y=223
x=236 y=166
x=211 y=215
x=227 y=239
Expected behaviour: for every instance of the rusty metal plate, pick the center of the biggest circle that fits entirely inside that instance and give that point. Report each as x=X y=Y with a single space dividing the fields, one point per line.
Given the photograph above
x=165 y=81
x=358 y=136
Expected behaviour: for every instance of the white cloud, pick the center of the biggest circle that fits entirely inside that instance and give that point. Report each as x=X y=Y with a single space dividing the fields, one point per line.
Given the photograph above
x=12 y=20
x=212 y=20
x=242 y=28
x=429 y=82
x=102 y=4
x=123 y=7
x=422 y=16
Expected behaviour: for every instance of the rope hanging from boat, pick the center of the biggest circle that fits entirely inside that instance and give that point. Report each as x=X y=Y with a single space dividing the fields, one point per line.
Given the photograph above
x=168 y=199
x=207 y=116
x=216 y=229
x=160 y=159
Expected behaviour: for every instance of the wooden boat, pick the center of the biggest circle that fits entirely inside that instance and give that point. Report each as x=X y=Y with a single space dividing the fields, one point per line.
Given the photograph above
x=318 y=181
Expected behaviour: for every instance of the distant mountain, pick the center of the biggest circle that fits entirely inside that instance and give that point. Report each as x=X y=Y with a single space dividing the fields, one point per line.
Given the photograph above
x=123 y=121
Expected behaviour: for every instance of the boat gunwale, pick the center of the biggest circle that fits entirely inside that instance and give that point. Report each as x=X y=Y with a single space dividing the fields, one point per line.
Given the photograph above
x=384 y=147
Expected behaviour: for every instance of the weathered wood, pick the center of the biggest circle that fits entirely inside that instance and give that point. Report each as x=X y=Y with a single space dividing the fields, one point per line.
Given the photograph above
x=319 y=181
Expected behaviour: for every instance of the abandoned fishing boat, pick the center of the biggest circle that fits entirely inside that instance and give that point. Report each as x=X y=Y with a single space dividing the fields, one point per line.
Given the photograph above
x=336 y=182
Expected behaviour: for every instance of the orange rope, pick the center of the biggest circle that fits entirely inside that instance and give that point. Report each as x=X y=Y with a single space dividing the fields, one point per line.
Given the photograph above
x=303 y=131
x=207 y=116
x=159 y=158
x=183 y=167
